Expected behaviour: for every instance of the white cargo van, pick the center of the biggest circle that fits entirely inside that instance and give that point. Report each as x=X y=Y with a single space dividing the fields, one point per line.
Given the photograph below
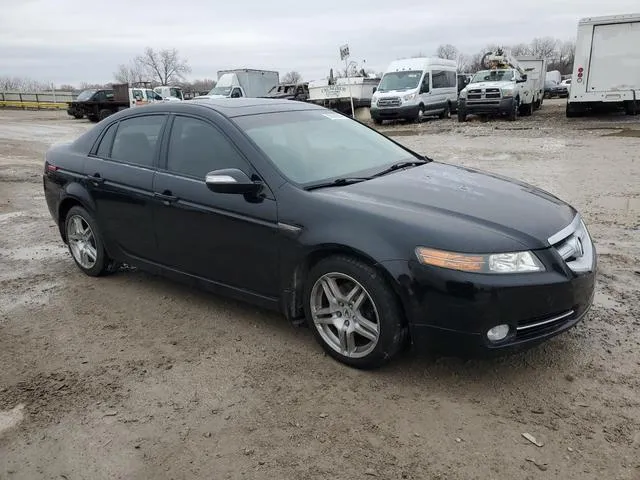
x=606 y=70
x=413 y=88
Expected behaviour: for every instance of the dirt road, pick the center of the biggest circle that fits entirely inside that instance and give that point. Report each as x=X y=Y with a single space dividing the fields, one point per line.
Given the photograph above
x=137 y=377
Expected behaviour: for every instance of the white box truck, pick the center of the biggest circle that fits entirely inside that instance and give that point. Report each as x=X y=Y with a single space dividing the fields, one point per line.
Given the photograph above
x=606 y=70
x=244 y=82
x=536 y=71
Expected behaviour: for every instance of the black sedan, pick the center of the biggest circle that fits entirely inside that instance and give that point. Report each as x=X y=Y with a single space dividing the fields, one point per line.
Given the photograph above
x=300 y=209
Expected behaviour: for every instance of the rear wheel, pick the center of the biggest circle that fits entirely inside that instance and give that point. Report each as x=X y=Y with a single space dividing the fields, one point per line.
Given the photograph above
x=462 y=114
x=353 y=312
x=85 y=243
x=92 y=118
x=446 y=113
x=78 y=116
x=526 y=109
x=104 y=113
x=631 y=108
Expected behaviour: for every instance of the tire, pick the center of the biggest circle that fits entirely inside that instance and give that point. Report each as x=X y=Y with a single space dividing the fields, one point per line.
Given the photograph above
x=377 y=121
x=420 y=116
x=462 y=115
x=515 y=110
x=536 y=104
x=526 y=109
x=385 y=330
x=571 y=112
x=631 y=108
x=446 y=113
x=92 y=118
x=78 y=116
x=85 y=246
x=104 y=113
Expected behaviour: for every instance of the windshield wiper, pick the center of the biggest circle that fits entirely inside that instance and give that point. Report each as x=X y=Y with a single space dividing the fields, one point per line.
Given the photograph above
x=338 y=182
x=401 y=165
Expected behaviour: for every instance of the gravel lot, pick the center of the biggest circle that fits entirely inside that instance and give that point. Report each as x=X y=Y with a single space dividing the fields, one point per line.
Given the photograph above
x=133 y=376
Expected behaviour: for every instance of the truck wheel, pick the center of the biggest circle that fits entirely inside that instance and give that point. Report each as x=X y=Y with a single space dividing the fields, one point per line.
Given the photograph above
x=78 y=116
x=377 y=121
x=92 y=118
x=526 y=109
x=446 y=113
x=462 y=115
x=631 y=108
x=536 y=104
x=515 y=110
x=104 y=113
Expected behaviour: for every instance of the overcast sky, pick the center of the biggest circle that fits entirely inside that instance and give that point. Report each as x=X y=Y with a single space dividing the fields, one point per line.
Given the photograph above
x=70 y=41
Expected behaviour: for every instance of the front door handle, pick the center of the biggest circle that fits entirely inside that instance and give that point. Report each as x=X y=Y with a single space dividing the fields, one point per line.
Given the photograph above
x=96 y=179
x=167 y=197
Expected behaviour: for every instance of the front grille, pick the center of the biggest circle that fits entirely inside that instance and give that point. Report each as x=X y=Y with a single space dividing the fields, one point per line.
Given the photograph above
x=536 y=327
x=574 y=246
x=389 y=102
x=480 y=95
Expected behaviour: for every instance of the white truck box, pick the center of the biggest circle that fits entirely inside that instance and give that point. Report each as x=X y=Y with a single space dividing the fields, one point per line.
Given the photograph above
x=536 y=70
x=606 y=70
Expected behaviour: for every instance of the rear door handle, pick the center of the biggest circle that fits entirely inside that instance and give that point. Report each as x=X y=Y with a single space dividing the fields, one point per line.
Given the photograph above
x=96 y=179
x=166 y=197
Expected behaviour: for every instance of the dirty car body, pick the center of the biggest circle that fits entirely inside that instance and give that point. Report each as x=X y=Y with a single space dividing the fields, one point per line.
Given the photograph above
x=465 y=260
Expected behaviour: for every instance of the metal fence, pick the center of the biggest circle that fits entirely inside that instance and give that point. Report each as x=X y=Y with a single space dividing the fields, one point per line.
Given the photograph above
x=52 y=100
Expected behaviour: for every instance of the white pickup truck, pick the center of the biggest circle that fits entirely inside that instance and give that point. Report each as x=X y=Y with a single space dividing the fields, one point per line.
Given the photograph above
x=502 y=91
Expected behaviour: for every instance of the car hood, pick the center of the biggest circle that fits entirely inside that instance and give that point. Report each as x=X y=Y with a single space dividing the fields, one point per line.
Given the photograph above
x=470 y=210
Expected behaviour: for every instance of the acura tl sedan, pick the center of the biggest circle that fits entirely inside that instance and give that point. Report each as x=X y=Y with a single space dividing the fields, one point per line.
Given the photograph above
x=303 y=210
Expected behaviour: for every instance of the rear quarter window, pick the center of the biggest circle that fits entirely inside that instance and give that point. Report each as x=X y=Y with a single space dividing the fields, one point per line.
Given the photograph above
x=137 y=139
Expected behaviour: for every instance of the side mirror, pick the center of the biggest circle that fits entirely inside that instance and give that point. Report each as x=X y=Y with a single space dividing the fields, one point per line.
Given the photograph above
x=231 y=180
x=375 y=89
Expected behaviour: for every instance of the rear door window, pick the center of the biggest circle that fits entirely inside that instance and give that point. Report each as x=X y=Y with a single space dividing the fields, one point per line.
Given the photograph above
x=137 y=139
x=104 y=149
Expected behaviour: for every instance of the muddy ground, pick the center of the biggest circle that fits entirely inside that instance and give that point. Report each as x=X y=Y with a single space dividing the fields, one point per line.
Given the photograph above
x=136 y=377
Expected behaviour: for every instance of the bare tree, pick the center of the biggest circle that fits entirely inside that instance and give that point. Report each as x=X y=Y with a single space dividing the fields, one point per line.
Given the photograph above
x=292 y=77
x=464 y=62
x=447 y=51
x=131 y=73
x=65 y=87
x=163 y=66
x=520 y=49
x=545 y=47
x=199 y=86
x=22 y=84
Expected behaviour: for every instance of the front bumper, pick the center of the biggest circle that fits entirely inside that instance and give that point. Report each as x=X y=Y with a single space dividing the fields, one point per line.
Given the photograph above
x=394 y=113
x=452 y=311
x=486 y=106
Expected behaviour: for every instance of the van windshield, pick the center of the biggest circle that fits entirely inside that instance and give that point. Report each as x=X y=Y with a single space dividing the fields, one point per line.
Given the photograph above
x=492 y=76
x=400 y=80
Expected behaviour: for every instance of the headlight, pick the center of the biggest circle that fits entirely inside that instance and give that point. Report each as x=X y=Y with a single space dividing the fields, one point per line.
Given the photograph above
x=515 y=262
x=507 y=92
x=463 y=94
x=411 y=96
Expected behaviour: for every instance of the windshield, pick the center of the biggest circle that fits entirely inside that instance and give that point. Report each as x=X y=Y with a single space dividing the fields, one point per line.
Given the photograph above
x=400 y=80
x=224 y=91
x=492 y=76
x=85 y=95
x=315 y=146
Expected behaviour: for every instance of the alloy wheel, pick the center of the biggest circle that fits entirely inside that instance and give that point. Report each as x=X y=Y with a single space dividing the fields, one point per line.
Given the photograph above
x=82 y=242
x=345 y=315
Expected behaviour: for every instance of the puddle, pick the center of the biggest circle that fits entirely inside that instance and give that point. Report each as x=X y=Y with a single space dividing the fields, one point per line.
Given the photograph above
x=624 y=205
x=625 y=132
x=11 y=418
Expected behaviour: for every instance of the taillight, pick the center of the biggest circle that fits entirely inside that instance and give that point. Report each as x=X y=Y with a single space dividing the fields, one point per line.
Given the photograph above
x=580 y=74
x=51 y=168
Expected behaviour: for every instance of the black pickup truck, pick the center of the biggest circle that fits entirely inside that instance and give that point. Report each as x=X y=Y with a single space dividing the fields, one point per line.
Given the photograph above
x=98 y=104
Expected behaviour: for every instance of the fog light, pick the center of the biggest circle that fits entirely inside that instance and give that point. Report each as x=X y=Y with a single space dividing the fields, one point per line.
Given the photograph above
x=497 y=333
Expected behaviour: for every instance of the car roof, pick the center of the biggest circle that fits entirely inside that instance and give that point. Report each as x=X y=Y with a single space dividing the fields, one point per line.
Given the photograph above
x=229 y=107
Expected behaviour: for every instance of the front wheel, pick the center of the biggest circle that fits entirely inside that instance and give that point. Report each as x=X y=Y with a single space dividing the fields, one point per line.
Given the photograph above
x=515 y=110
x=353 y=313
x=85 y=243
